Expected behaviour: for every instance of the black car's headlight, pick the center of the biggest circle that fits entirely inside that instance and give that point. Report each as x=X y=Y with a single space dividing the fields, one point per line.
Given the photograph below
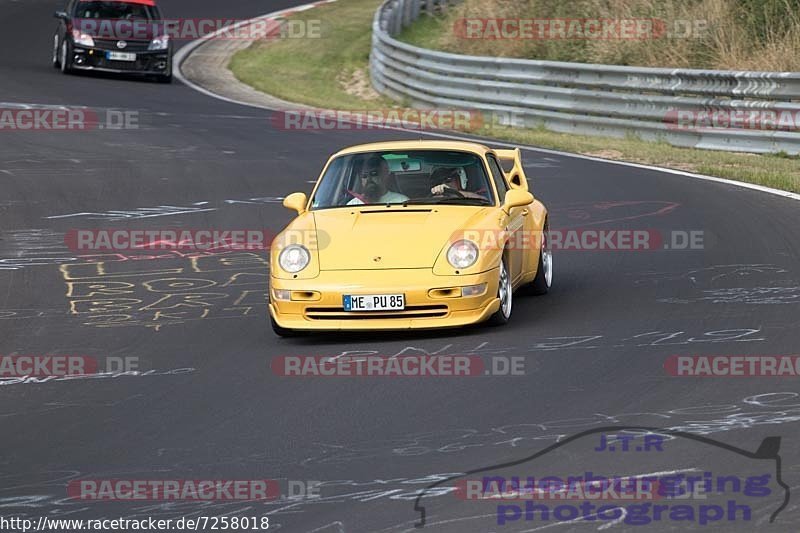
x=82 y=39
x=159 y=43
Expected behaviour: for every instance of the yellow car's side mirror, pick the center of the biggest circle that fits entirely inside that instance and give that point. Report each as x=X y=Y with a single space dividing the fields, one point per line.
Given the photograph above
x=516 y=198
x=296 y=201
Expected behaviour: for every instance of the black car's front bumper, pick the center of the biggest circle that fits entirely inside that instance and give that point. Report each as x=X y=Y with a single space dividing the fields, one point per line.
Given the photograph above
x=150 y=62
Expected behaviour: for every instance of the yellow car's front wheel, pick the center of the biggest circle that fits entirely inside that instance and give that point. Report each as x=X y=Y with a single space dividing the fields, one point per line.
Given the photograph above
x=505 y=294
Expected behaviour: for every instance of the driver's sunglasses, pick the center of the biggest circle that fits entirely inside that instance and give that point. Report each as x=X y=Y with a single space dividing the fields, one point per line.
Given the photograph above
x=371 y=173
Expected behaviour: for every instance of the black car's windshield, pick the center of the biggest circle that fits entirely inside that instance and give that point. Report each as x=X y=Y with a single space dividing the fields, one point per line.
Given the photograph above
x=404 y=177
x=115 y=11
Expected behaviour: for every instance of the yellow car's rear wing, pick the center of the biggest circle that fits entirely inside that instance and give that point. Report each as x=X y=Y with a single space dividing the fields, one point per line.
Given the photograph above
x=516 y=176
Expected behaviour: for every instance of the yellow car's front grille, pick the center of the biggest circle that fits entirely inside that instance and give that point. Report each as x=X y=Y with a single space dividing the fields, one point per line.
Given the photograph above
x=338 y=313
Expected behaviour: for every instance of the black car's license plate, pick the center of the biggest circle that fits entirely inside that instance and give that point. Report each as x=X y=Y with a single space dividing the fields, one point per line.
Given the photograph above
x=120 y=56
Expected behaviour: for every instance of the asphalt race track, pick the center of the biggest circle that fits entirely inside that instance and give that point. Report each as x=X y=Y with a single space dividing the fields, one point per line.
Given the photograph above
x=594 y=348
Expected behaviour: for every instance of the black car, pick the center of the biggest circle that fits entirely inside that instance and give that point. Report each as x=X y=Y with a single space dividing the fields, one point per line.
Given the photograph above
x=126 y=36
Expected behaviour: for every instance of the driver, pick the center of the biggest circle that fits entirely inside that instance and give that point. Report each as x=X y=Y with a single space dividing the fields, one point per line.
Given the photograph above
x=444 y=180
x=375 y=184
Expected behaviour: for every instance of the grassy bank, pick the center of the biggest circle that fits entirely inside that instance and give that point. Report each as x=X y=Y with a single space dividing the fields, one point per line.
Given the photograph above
x=712 y=34
x=332 y=73
x=329 y=72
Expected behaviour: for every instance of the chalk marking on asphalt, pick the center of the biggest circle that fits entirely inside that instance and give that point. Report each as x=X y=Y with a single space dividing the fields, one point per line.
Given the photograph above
x=22 y=105
x=338 y=525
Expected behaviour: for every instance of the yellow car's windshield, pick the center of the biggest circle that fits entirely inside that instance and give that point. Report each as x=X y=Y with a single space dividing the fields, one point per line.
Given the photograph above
x=404 y=177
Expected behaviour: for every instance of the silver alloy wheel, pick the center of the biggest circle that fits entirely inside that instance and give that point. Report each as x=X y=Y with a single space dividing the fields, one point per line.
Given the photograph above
x=64 y=56
x=55 y=49
x=504 y=291
x=547 y=259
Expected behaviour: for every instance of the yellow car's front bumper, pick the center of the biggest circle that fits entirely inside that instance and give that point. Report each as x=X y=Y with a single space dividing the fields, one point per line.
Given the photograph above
x=430 y=301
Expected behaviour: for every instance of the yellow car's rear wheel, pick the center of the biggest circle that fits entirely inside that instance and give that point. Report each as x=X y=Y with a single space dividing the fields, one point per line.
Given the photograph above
x=544 y=275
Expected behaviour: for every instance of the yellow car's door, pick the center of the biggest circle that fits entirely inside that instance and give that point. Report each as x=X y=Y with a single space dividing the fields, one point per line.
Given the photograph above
x=515 y=222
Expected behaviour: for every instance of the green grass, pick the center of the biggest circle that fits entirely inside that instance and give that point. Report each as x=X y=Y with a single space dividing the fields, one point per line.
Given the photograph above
x=311 y=71
x=425 y=32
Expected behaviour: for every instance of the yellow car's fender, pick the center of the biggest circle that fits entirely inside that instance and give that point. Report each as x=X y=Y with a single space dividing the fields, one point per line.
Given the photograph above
x=302 y=230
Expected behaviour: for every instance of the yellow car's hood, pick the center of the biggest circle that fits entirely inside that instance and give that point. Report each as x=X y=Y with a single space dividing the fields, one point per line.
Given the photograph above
x=379 y=237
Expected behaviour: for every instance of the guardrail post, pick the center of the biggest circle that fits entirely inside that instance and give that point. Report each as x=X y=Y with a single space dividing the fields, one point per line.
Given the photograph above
x=397 y=21
x=415 y=9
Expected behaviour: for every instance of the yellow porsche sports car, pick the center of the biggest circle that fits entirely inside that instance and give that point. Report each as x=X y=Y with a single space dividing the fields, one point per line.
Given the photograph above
x=406 y=235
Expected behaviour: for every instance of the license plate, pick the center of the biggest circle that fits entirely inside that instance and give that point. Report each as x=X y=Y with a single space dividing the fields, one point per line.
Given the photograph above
x=374 y=302
x=120 y=56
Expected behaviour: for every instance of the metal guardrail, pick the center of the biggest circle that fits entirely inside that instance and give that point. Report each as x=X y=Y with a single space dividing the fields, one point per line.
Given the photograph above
x=582 y=98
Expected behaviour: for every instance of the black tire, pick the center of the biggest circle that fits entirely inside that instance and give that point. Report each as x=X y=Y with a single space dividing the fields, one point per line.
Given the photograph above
x=544 y=274
x=165 y=78
x=279 y=331
x=503 y=315
x=66 y=54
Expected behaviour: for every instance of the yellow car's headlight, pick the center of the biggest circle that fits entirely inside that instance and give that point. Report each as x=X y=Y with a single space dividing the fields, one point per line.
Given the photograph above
x=462 y=254
x=294 y=258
